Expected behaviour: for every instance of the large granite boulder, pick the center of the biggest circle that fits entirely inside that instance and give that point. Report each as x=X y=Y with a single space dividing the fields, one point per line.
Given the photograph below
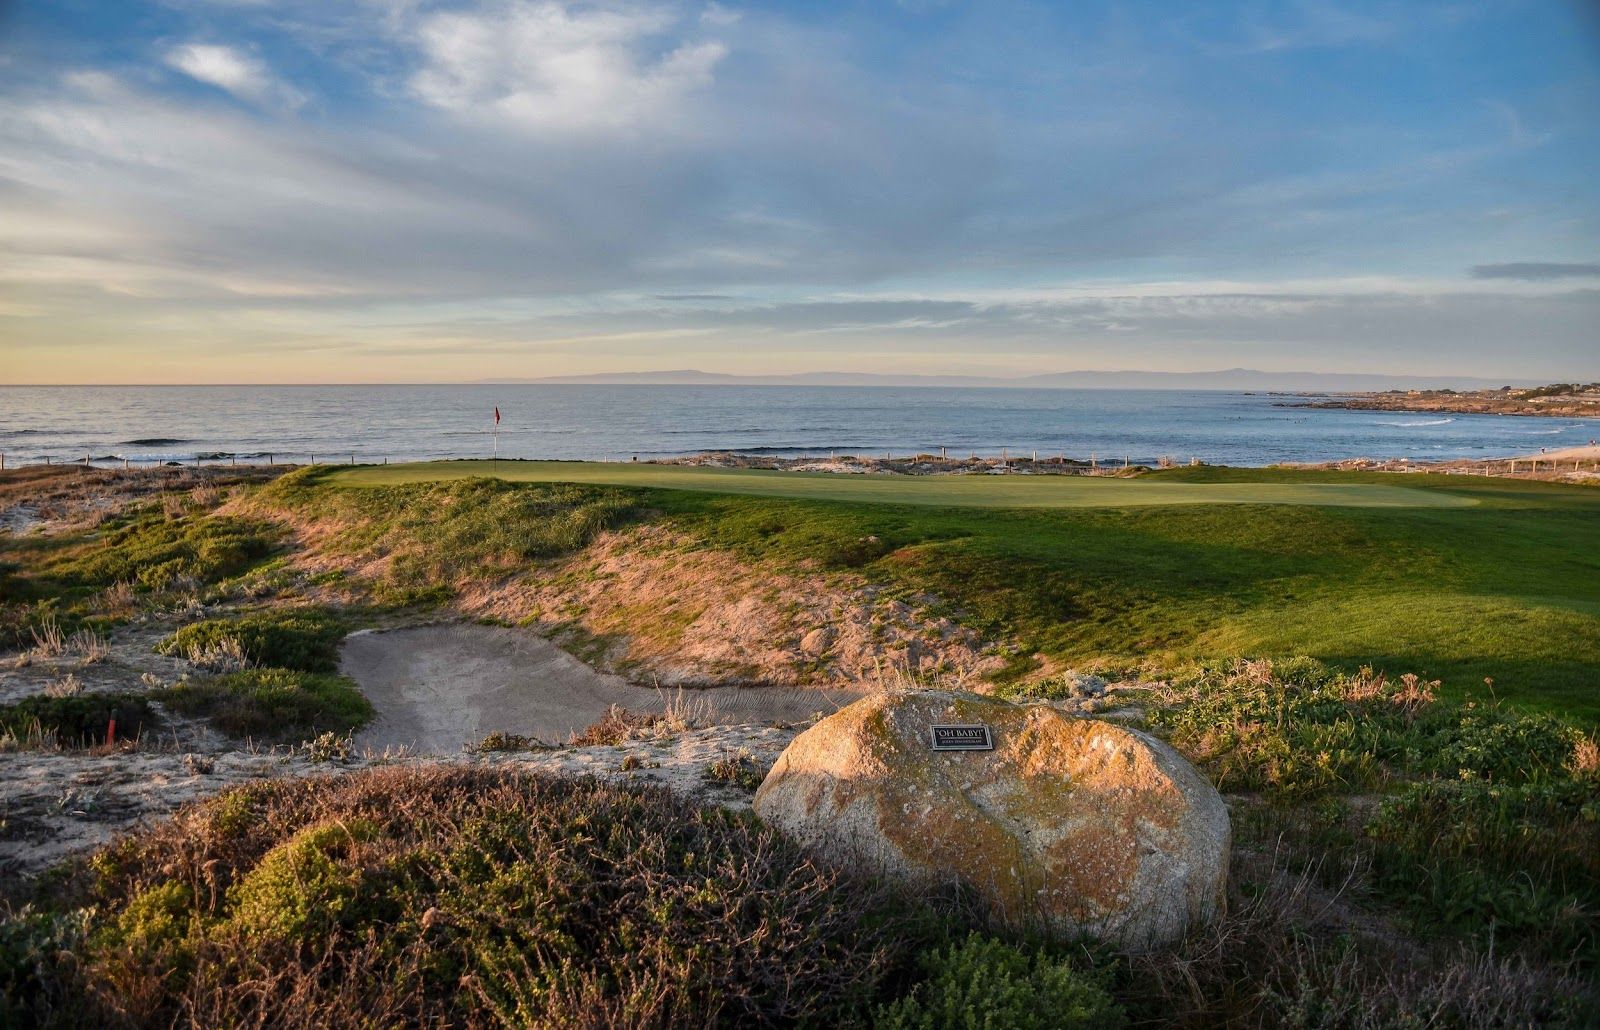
x=1069 y=825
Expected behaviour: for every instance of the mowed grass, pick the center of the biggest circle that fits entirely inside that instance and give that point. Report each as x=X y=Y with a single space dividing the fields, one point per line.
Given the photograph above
x=1454 y=578
x=1011 y=491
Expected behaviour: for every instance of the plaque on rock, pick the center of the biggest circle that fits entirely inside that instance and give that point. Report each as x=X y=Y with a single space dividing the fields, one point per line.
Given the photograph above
x=974 y=737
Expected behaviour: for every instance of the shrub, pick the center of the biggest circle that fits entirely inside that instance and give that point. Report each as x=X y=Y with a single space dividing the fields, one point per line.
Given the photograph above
x=155 y=551
x=279 y=704
x=471 y=896
x=77 y=720
x=1520 y=864
x=303 y=639
x=983 y=983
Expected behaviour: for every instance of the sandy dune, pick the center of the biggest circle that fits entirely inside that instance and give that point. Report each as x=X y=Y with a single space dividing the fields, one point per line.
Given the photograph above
x=439 y=688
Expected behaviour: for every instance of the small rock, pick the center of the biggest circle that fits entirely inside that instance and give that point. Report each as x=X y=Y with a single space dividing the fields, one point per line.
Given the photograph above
x=817 y=641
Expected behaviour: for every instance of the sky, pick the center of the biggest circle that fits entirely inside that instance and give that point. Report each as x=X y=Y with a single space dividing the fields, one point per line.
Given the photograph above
x=416 y=191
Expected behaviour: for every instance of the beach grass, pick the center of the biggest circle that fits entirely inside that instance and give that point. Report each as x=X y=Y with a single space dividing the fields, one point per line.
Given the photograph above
x=1490 y=585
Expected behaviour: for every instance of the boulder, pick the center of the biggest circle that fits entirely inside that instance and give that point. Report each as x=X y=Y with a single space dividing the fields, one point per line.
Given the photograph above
x=1069 y=825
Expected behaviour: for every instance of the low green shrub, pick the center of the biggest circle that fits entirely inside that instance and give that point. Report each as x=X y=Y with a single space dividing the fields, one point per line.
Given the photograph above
x=1516 y=863
x=155 y=551
x=77 y=721
x=1297 y=729
x=462 y=896
x=277 y=704
x=986 y=984
x=303 y=639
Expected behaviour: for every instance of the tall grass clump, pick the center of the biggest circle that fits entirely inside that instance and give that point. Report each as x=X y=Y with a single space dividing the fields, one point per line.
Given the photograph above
x=303 y=639
x=468 y=897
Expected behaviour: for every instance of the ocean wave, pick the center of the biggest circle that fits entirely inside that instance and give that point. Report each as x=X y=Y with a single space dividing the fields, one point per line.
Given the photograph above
x=1417 y=422
x=154 y=441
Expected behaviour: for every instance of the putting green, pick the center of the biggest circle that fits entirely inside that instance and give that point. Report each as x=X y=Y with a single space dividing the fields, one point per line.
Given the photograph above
x=973 y=491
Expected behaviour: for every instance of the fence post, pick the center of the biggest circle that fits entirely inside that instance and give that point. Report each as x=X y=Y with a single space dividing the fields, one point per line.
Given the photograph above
x=352 y=459
x=2 y=461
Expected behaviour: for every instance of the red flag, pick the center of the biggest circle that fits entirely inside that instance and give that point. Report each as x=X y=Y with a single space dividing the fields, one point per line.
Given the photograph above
x=497 y=414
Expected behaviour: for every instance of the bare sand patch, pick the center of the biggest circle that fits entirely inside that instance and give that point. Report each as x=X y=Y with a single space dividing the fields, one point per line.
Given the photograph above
x=440 y=688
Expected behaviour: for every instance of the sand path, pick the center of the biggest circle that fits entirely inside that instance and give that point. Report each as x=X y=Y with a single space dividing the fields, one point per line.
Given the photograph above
x=439 y=688
x=1584 y=453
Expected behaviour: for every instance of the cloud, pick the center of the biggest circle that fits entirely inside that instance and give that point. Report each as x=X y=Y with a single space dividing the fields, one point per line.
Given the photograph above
x=228 y=69
x=553 y=66
x=1535 y=270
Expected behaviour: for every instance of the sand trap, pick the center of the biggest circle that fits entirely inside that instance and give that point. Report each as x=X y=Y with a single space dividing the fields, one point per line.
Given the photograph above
x=439 y=688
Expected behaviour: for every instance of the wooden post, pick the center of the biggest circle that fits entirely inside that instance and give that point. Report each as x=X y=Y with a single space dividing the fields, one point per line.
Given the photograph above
x=1127 y=460
x=124 y=464
x=85 y=459
x=270 y=459
x=2 y=461
x=352 y=459
x=313 y=459
x=233 y=460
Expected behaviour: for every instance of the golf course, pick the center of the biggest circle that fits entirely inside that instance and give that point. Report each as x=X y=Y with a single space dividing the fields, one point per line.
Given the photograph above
x=1491 y=586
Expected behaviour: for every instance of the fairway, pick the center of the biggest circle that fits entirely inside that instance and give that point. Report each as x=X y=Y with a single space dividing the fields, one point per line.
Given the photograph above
x=965 y=491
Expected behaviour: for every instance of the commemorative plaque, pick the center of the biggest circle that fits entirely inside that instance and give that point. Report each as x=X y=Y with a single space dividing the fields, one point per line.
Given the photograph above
x=972 y=737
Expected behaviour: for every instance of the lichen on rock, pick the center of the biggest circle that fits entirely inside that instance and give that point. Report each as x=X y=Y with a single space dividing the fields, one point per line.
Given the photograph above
x=1069 y=825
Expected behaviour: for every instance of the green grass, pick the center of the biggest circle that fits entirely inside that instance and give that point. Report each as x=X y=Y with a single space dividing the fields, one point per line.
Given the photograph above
x=272 y=704
x=953 y=491
x=1455 y=578
x=306 y=639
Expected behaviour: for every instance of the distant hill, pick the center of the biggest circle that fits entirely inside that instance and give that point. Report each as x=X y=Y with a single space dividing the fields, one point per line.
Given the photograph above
x=1224 y=379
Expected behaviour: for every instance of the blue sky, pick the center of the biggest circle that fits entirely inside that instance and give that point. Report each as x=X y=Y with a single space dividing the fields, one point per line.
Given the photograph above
x=401 y=190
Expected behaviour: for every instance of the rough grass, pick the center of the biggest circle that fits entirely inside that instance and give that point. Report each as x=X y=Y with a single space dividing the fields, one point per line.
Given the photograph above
x=303 y=639
x=272 y=704
x=422 y=540
x=1469 y=580
x=1479 y=823
x=465 y=897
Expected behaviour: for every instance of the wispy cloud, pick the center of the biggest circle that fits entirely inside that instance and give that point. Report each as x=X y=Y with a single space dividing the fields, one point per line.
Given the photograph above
x=233 y=71
x=1537 y=271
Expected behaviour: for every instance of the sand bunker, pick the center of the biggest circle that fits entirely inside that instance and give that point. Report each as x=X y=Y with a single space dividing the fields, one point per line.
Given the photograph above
x=440 y=688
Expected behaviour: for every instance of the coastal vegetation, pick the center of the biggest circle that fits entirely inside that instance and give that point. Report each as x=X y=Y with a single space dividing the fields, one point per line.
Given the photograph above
x=1396 y=699
x=1491 y=587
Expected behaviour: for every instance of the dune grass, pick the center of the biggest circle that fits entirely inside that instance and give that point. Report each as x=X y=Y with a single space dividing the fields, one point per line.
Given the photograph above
x=1469 y=580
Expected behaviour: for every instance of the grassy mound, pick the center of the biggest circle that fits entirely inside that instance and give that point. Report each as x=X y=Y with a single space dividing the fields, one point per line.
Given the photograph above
x=272 y=704
x=304 y=639
x=453 y=896
x=1457 y=578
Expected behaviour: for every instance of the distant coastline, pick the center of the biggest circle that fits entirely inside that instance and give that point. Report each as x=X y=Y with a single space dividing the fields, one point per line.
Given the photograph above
x=1559 y=400
x=1234 y=379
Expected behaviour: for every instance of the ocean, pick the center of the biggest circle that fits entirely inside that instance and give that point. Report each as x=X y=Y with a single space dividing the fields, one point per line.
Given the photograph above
x=408 y=423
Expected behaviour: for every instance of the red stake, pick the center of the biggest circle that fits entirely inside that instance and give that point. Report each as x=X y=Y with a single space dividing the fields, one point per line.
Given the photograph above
x=111 y=731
